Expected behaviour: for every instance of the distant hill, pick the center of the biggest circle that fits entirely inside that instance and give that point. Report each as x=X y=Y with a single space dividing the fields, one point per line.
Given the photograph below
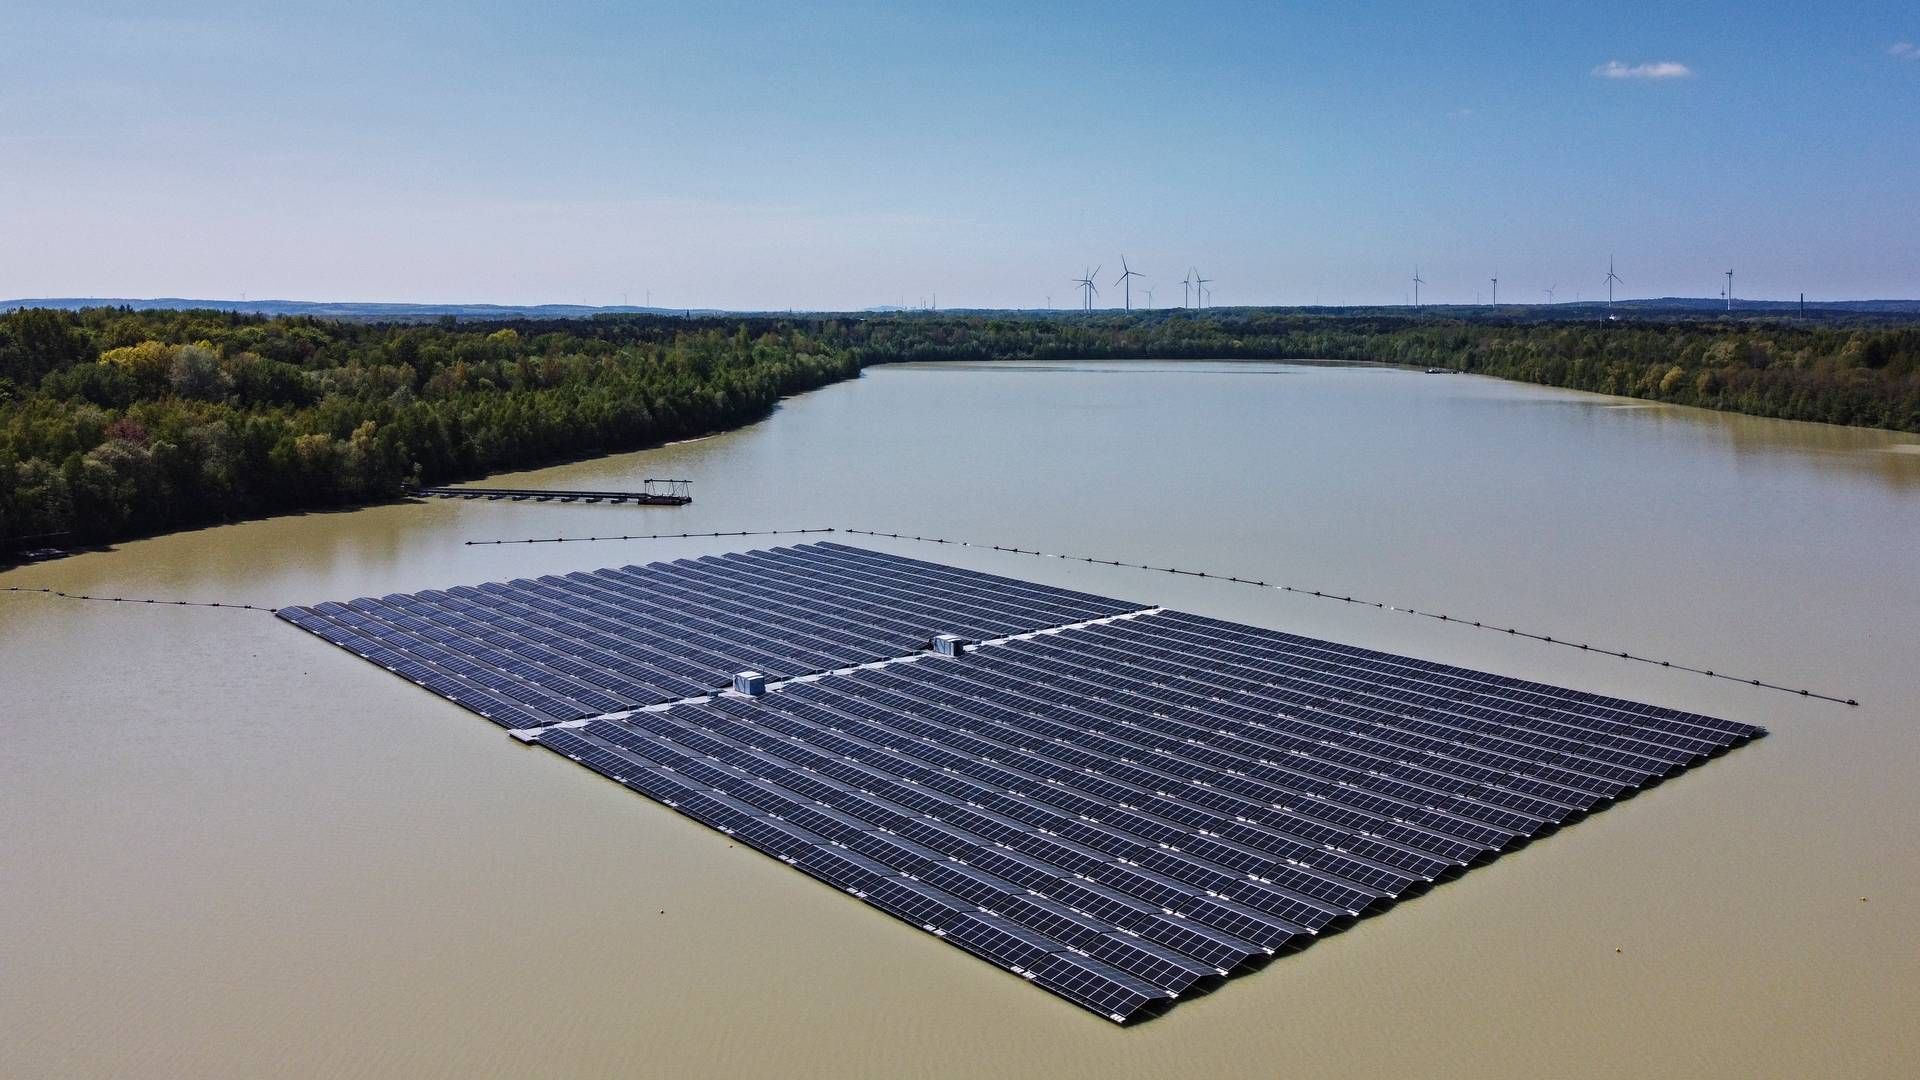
x=404 y=312
x=1714 y=303
x=350 y=310
x=1669 y=305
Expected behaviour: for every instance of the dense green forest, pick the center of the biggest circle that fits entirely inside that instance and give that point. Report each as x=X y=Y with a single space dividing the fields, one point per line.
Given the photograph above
x=116 y=423
x=1858 y=371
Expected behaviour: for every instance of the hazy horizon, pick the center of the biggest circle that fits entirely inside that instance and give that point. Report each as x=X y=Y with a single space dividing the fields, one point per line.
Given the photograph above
x=863 y=155
x=244 y=304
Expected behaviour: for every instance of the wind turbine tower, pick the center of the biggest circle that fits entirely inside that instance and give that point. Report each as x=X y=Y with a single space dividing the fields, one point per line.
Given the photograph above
x=1125 y=280
x=1417 y=282
x=1729 y=290
x=1200 y=288
x=1087 y=288
x=1612 y=278
x=1496 y=291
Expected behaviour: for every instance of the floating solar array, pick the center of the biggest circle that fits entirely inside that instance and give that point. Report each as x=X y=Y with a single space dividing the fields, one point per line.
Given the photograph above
x=1123 y=806
x=530 y=652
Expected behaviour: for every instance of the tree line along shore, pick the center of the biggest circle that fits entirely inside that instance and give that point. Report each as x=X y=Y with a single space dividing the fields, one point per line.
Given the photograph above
x=117 y=423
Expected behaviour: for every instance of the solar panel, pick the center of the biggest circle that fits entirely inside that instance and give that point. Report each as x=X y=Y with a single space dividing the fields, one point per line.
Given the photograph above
x=918 y=903
x=1000 y=940
x=1096 y=986
x=1153 y=964
x=969 y=882
x=1132 y=804
x=855 y=873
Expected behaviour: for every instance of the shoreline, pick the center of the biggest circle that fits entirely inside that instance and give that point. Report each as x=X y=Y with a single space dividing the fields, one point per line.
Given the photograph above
x=9 y=560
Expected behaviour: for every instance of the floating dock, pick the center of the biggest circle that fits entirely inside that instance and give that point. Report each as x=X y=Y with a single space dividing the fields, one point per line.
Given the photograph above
x=655 y=493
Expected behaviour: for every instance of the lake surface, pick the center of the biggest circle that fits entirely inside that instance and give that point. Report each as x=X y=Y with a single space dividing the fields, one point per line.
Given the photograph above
x=233 y=850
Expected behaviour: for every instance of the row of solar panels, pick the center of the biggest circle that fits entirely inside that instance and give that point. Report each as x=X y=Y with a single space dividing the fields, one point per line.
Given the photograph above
x=532 y=652
x=996 y=925
x=1130 y=776
x=1567 y=757
x=1516 y=693
x=994 y=800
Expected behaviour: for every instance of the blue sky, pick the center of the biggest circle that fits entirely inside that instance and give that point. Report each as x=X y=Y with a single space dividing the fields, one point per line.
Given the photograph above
x=851 y=154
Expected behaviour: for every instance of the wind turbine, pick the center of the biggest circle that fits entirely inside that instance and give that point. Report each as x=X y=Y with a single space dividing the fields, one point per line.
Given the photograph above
x=1417 y=282
x=1496 y=290
x=1186 y=289
x=1200 y=289
x=1729 y=290
x=1549 y=291
x=1087 y=288
x=1149 y=299
x=1125 y=280
x=1612 y=279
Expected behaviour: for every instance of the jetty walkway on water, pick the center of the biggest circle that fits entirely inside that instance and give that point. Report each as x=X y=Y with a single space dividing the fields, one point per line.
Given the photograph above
x=653 y=493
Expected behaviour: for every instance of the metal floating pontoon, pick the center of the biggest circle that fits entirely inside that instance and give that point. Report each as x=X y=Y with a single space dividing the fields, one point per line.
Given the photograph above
x=653 y=493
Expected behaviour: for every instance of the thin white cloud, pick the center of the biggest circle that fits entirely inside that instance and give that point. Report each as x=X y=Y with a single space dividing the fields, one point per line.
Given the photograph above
x=1650 y=69
x=1904 y=50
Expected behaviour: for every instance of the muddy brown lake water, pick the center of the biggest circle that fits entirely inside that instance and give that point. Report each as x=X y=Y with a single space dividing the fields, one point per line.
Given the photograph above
x=232 y=850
